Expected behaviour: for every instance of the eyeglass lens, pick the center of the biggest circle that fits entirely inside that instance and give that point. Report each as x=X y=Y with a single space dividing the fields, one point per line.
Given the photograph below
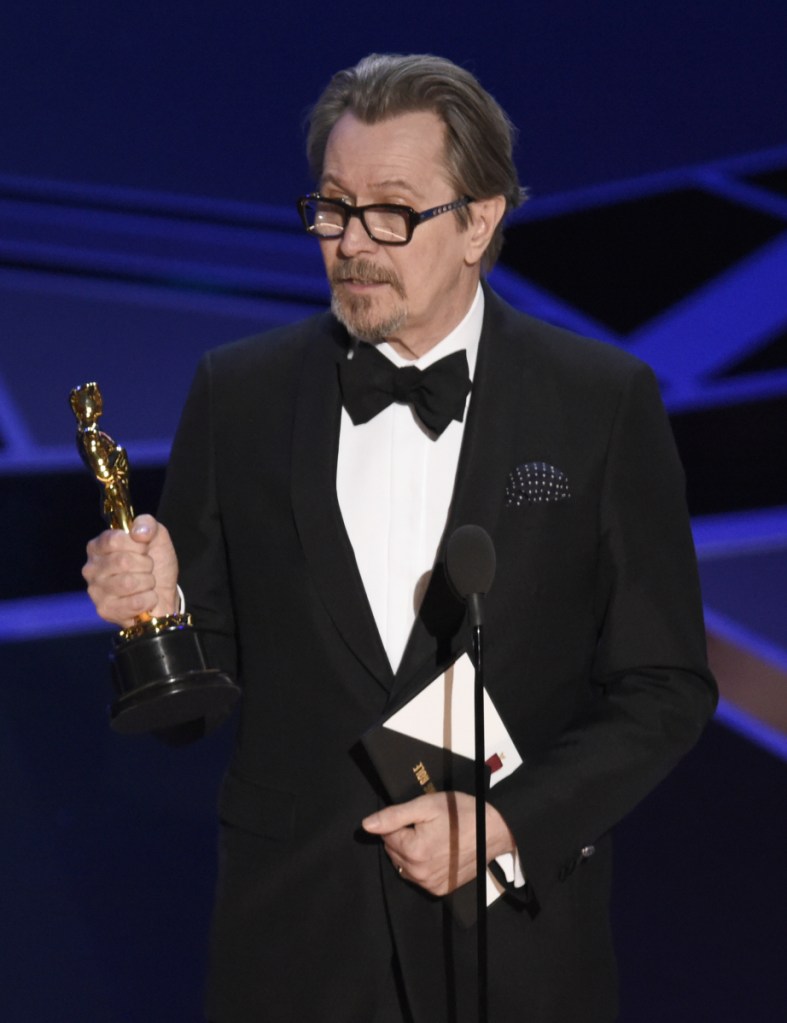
x=384 y=225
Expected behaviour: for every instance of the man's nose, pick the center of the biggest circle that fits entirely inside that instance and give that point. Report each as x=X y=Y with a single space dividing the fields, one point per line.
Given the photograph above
x=355 y=238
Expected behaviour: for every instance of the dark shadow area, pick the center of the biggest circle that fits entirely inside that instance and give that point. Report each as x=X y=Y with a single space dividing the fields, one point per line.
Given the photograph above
x=624 y=263
x=697 y=908
x=733 y=455
x=51 y=516
x=108 y=851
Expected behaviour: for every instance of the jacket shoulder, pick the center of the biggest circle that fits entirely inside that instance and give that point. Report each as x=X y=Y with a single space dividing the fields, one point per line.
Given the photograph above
x=555 y=349
x=274 y=350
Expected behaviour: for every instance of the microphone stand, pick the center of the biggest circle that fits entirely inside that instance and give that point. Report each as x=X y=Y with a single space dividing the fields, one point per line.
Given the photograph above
x=470 y=563
x=476 y=618
x=480 y=826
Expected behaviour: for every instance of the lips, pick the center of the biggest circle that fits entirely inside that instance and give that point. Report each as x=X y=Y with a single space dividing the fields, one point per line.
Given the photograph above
x=352 y=279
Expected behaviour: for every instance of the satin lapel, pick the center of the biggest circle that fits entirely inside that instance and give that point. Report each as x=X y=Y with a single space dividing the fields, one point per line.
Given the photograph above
x=439 y=635
x=318 y=519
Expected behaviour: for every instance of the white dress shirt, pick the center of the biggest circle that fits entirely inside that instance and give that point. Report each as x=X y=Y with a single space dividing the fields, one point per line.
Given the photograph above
x=394 y=481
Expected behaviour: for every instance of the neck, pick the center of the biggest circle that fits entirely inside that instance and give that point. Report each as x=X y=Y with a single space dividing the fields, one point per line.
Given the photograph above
x=413 y=345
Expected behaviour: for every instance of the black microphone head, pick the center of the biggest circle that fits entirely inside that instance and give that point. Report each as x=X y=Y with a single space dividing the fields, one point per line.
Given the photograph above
x=470 y=561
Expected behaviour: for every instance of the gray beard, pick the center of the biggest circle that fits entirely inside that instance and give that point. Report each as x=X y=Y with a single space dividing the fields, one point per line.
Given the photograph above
x=356 y=316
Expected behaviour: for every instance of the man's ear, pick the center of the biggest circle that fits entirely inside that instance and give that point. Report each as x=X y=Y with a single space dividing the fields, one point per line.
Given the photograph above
x=485 y=215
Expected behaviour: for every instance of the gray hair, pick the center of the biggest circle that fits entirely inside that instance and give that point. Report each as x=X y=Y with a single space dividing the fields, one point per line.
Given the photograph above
x=479 y=136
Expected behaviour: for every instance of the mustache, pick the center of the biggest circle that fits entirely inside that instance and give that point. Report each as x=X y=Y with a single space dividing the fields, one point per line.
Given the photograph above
x=365 y=272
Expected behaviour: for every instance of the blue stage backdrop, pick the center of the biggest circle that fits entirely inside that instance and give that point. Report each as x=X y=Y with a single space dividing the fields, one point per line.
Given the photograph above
x=149 y=158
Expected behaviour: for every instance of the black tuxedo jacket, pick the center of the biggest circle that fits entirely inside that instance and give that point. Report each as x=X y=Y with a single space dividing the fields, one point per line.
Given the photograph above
x=595 y=659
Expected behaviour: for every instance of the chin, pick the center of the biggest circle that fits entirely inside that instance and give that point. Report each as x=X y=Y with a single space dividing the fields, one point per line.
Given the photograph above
x=362 y=321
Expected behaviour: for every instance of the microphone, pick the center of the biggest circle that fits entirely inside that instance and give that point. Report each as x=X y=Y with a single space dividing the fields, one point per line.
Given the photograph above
x=470 y=564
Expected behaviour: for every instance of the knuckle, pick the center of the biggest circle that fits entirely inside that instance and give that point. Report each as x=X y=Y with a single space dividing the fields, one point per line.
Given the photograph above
x=125 y=584
x=141 y=602
x=131 y=562
x=104 y=541
x=116 y=540
x=136 y=586
x=122 y=565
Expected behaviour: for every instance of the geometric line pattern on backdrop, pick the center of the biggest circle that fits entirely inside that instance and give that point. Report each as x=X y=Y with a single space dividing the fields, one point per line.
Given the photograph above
x=87 y=272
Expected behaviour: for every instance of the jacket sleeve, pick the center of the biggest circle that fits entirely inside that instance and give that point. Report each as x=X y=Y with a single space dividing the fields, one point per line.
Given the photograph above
x=190 y=508
x=652 y=692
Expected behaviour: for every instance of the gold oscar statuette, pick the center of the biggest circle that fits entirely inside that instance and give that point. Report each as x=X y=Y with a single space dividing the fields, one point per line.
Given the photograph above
x=159 y=670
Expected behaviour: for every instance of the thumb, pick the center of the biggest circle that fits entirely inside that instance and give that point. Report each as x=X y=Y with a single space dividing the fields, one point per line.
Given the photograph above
x=143 y=528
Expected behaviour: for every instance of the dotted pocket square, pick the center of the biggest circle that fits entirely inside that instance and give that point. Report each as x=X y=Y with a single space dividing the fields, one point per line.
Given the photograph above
x=536 y=483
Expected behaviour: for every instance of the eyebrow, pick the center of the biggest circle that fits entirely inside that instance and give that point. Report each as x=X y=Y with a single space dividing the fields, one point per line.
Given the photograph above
x=388 y=184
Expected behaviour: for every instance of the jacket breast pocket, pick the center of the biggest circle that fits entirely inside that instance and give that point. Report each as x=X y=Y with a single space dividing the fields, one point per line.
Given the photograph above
x=259 y=809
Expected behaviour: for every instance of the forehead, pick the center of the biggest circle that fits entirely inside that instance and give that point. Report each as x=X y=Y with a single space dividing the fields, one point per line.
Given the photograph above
x=406 y=149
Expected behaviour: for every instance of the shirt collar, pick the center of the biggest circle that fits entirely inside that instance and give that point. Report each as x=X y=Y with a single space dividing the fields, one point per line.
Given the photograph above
x=466 y=335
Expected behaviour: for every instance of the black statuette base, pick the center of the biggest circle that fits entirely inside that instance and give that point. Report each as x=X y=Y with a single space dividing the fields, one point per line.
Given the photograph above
x=162 y=680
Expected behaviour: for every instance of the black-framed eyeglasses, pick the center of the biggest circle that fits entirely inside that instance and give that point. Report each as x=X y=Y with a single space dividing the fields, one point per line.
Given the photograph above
x=385 y=223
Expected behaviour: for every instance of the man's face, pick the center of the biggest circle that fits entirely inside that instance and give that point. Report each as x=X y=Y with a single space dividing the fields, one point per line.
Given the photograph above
x=411 y=295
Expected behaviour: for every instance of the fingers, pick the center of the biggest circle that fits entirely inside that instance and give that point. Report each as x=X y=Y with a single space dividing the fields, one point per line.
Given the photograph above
x=131 y=573
x=119 y=576
x=432 y=839
x=400 y=815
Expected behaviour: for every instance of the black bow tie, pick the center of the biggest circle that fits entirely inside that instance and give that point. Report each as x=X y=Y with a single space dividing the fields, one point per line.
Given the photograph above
x=370 y=383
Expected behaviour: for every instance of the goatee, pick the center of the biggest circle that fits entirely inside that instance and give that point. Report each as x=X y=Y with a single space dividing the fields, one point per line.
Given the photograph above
x=357 y=312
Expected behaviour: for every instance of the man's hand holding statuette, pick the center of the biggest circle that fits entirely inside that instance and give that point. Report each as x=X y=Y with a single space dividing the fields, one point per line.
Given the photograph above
x=129 y=574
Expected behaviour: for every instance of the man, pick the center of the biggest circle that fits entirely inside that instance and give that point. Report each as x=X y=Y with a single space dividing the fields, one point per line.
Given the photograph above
x=310 y=544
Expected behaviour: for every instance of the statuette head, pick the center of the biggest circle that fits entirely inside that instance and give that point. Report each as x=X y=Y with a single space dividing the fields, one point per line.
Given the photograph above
x=87 y=404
